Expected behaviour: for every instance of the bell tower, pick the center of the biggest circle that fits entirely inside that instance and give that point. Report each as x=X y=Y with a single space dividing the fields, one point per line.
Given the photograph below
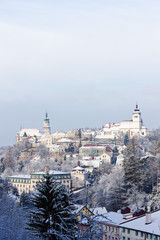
x=137 y=120
x=46 y=125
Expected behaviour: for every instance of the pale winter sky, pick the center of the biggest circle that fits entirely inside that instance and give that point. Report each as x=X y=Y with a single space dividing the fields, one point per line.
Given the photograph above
x=86 y=62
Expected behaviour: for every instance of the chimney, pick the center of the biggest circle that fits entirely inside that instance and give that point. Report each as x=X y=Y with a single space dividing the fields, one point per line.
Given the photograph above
x=148 y=215
x=46 y=169
x=79 y=164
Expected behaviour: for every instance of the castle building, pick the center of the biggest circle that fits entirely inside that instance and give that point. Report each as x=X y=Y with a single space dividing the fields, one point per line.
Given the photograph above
x=35 y=135
x=134 y=127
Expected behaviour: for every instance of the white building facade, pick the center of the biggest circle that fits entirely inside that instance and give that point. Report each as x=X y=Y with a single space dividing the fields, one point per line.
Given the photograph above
x=134 y=127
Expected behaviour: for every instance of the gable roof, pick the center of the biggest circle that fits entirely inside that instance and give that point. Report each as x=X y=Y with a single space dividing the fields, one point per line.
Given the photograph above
x=139 y=224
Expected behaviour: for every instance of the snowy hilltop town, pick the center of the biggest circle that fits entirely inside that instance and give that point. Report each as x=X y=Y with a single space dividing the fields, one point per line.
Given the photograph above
x=82 y=184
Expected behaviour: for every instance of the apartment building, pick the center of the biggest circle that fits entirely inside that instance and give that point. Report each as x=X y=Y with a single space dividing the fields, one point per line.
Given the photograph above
x=27 y=183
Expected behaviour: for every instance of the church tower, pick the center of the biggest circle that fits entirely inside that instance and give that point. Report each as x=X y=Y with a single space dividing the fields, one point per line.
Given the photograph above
x=46 y=125
x=137 y=120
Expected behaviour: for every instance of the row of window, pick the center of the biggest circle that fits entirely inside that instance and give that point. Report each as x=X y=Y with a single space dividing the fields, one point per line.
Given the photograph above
x=20 y=180
x=64 y=181
x=54 y=177
x=20 y=185
x=111 y=229
x=141 y=234
x=110 y=237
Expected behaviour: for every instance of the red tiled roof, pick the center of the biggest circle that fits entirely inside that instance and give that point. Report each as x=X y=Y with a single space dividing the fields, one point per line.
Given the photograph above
x=91 y=145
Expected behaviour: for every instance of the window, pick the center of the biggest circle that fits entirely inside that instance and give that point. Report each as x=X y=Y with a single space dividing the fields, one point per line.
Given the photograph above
x=123 y=229
x=128 y=238
x=136 y=233
x=146 y=235
x=123 y=238
x=141 y=234
x=128 y=231
x=150 y=236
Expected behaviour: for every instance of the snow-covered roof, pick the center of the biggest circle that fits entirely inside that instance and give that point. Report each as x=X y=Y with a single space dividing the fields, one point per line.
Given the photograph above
x=78 y=208
x=51 y=172
x=56 y=146
x=139 y=224
x=87 y=133
x=91 y=163
x=30 y=132
x=112 y=218
x=95 y=211
x=65 y=140
x=60 y=134
x=104 y=136
x=109 y=125
x=98 y=210
x=78 y=168
x=87 y=147
x=20 y=176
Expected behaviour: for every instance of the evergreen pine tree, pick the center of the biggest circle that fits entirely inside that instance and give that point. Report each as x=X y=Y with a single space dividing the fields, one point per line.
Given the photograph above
x=132 y=164
x=52 y=217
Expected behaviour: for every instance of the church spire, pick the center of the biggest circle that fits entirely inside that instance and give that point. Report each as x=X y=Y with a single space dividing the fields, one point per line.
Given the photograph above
x=136 y=109
x=46 y=124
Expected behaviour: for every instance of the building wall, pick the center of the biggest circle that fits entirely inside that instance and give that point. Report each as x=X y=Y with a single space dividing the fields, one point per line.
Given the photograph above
x=91 y=151
x=106 y=158
x=110 y=232
x=28 y=184
x=130 y=234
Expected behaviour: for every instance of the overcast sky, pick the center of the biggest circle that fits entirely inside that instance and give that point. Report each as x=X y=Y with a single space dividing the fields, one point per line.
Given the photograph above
x=86 y=62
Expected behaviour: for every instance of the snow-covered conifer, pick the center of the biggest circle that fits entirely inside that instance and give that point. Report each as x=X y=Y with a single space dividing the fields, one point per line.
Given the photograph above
x=132 y=164
x=52 y=217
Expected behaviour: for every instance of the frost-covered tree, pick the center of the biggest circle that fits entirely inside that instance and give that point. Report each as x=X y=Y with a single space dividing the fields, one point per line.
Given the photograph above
x=43 y=152
x=155 y=199
x=13 y=220
x=9 y=161
x=135 y=198
x=52 y=217
x=110 y=190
